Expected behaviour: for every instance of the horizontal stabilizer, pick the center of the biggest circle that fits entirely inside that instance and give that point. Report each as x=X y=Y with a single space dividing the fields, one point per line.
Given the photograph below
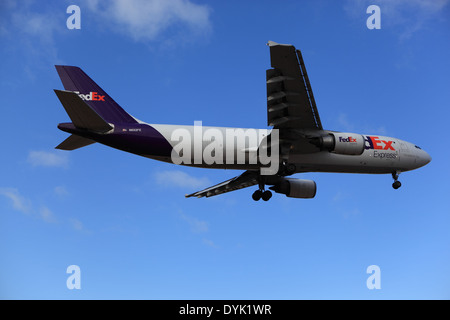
x=74 y=142
x=81 y=114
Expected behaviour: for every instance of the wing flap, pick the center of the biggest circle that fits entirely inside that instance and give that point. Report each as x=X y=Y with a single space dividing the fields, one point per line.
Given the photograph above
x=246 y=179
x=288 y=84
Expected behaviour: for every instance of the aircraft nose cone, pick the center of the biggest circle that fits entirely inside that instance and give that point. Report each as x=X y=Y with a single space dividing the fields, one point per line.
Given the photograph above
x=423 y=159
x=427 y=158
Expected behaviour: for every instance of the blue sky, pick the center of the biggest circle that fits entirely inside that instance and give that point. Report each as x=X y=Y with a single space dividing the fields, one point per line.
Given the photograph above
x=124 y=219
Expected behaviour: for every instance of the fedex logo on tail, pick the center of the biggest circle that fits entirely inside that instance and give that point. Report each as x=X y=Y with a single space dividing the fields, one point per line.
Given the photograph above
x=91 y=96
x=378 y=144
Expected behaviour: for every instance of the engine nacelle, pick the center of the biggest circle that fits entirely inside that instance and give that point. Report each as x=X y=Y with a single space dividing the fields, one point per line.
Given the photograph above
x=341 y=143
x=296 y=188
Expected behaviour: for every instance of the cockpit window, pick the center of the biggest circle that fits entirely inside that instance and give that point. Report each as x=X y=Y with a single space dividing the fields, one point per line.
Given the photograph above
x=418 y=147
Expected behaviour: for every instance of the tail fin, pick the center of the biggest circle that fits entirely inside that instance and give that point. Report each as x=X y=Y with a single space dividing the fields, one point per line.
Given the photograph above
x=74 y=79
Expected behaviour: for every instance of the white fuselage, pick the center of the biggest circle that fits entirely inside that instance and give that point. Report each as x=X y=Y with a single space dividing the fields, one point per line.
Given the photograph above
x=383 y=155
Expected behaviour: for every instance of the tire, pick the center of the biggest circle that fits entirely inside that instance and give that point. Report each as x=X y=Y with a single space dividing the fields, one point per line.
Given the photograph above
x=266 y=195
x=257 y=195
x=396 y=185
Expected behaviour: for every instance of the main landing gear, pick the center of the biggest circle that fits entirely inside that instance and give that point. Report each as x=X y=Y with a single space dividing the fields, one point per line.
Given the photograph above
x=286 y=169
x=397 y=184
x=261 y=193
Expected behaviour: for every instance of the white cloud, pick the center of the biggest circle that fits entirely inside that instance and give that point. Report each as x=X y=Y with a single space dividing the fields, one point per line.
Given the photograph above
x=41 y=26
x=61 y=191
x=19 y=202
x=23 y=204
x=30 y=18
x=209 y=243
x=338 y=196
x=404 y=16
x=47 y=215
x=146 y=20
x=29 y=28
x=348 y=214
x=196 y=225
x=180 y=179
x=344 y=124
x=47 y=159
x=76 y=224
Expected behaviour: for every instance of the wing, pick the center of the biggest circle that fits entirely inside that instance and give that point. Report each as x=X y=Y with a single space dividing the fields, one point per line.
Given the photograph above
x=290 y=100
x=247 y=179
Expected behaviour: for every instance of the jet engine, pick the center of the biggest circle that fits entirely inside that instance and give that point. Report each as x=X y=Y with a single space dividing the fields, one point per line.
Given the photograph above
x=296 y=188
x=341 y=143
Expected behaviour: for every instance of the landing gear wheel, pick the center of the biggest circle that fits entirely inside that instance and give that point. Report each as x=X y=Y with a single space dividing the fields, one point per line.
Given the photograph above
x=257 y=195
x=261 y=193
x=266 y=195
x=397 y=184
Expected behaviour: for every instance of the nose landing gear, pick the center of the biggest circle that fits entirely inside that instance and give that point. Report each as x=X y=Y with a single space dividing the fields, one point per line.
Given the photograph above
x=397 y=184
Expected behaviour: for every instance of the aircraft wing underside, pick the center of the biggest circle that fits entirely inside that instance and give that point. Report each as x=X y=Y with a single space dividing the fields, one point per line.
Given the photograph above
x=290 y=100
x=246 y=179
x=291 y=107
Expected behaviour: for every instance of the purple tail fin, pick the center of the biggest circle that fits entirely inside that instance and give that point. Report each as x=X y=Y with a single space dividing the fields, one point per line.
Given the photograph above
x=74 y=79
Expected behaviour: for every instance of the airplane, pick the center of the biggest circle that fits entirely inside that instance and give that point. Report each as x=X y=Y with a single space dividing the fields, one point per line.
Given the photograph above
x=301 y=144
